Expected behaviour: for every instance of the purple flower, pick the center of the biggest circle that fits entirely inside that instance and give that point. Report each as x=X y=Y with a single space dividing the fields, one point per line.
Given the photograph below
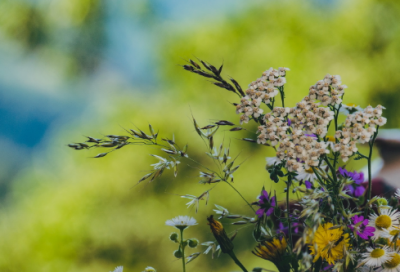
x=289 y=122
x=311 y=135
x=360 y=227
x=285 y=229
x=266 y=204
x=308 y=184
x=358 y=178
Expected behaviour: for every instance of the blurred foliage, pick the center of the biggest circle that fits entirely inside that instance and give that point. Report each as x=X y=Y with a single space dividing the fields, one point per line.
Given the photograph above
x=72 y=30
x=69 y=212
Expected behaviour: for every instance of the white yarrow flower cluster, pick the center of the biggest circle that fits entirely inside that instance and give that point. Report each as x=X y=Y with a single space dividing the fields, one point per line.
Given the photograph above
x=359 y=127
x=263 y=90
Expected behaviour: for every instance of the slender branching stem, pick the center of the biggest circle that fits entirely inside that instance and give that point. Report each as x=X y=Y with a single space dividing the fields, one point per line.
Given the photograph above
x=331 y=168
x=289 y=181
x=371 y=145
x=233 y=187
x=183 y=252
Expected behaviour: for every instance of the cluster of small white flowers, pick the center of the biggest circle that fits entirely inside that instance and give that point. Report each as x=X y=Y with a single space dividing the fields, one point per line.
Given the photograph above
x=309 y=118
x=263 y=90
x=359 y=127
x=296 y=144
x=328 y=90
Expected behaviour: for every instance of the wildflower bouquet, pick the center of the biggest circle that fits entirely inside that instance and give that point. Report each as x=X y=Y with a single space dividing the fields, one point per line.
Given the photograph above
x=330 y=221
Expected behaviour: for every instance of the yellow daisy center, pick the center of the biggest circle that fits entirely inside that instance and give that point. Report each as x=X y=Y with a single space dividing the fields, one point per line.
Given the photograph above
x=309 y=170
x=383 y=221
x=330 y=138
x=377 y=253
x=394 y=262
x=351 y=105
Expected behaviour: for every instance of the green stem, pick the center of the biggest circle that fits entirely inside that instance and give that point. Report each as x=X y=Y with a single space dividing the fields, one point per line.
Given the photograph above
x=235 y=259
x=241 y=196
x=183 y=252
x=371 y=145
x=281 y=91
x=316 y=173
x=287 y=208
x=332 y=169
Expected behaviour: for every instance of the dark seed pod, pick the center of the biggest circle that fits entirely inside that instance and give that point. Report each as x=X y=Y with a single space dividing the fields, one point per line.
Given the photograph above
x=238 y=88
x=224 y=123
x=204 y=74
x=205 y=65
x=236 y=129
x=108 y=144
x=84 y=145
x=93 y=140
x=73 y=145
x=100 y=155
x=207 y=127
x=188 y=68
x=249 y=140
x=195 y=64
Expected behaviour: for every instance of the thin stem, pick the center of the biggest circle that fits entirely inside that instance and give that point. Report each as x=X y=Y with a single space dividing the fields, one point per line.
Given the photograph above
x=235 y=259
x=371 y=145
x=240 y=195
x=331 y=168
x=281 y=91
x=287 y=208
x=183 y=252
x=318 y=177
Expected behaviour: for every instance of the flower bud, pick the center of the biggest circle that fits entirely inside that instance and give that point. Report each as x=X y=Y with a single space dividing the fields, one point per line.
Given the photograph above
x=220 y=235
x=177 y=254
x=382 y=201
x=149 y=269
x=174 y=237
x=193 y=242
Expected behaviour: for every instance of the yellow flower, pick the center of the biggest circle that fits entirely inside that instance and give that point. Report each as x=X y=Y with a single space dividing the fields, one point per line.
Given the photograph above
x=273 y=251
x=329 y=244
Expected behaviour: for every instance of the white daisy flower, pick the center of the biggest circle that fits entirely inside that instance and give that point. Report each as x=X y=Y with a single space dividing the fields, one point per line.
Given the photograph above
x=376 y=257
x=393 y=264
x=385 y=222
x=306 y=174
x=149 y=269
x=349 y=109
x=118 y=269
x=272 y=160
x=181 y=222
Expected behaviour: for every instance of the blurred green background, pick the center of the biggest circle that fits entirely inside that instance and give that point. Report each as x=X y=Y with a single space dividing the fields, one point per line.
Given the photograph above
x=71 y=68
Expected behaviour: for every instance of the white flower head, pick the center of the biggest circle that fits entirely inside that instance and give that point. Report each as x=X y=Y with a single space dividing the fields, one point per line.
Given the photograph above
x=119 y=269
x=393 y=264
x=385 y=222
x=376 y=257
x=181 y=222
x=149 y=269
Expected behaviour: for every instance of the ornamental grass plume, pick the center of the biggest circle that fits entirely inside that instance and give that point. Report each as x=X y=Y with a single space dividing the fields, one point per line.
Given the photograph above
x=327 y=220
